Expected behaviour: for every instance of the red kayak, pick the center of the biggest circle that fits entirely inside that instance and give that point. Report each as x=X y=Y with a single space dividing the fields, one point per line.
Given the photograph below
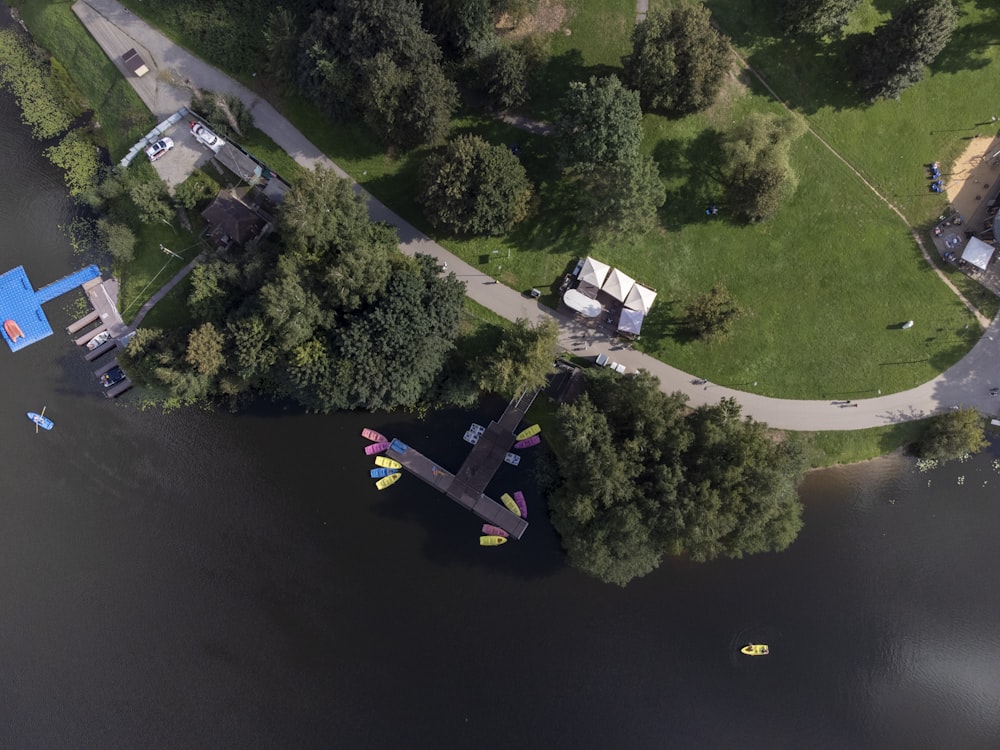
x=13 y=330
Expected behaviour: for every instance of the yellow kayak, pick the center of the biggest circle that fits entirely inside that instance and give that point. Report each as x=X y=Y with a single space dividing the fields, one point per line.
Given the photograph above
x=511 y=505
x=492 y=541
x=387 y=463
x=387 y=481
x=528 y=432
x=755 y=649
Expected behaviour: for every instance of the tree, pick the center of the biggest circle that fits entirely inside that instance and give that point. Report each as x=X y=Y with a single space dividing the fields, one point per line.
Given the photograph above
x=197 y=188
x=459 y=26
x=598 y=123
x=711 y=315
x=522 y=359
x=150 y=201
x=281 y=47
x=635 y=479
x=504 y=73
x=225 y=113
x=678 y=60
x=893 y=58
x=755 y=165
x=953 y=435
x=624 y=197
x=205 y=349
x=817 y=17
x=473 y=187
x=117 y=239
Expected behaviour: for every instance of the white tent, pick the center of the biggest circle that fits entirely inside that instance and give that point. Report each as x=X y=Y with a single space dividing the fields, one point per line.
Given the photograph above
x=630 y=321
x=978 y=253
x=640 y=298
x=618 y=284
x=594 y=272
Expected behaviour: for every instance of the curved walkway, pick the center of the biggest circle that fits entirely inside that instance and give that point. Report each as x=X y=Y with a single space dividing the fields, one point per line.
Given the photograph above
x=967 y=383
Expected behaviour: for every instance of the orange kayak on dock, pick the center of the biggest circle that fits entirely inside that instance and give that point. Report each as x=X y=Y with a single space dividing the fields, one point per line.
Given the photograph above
x=13 y=330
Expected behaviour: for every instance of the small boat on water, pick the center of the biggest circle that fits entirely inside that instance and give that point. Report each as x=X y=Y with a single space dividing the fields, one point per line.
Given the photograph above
x=521 y=505
x=13 y=330
x=388 y=481
x=40 y=420
x=492 y=540
x=511 y=505
x=374 y=448
x=101 y=338
x=528 y=442
x=491 y=530
x=528 y=432
x=375 y=437
x=512 y=458
x=755 y=649
x=387 y=462
x=382 y=472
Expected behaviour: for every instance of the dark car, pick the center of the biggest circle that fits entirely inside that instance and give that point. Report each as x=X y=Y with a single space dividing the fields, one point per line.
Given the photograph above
x=112 y=376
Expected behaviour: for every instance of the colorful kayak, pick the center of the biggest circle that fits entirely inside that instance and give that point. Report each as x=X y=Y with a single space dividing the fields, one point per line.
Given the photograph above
x=40 y=421
x=528 y=442
x=374 y=448
x=13 y=330
x=491 y=530
x=492 y=541
x=755 y=649
x=387 y=462
x=521 y=505
x=528 y=432
x=382 y=472
x=388 y=481
x=512 y=458
x=511 y=505
x=375 y=437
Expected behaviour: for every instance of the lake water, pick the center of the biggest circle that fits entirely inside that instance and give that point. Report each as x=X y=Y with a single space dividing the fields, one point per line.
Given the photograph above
x=204 y=580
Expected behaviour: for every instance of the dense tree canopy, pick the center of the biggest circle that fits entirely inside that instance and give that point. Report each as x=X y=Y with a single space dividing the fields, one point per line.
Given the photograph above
x=623 y=198
x=817 y=17
x=678 y=60
x=953 y=435
x=755 y=166
x=332 y=315
x=521 y=360
x=598 y=123
x=373 y=58
x=473 y=187
x=893 y=58
x=711 y=315
x=635 y=479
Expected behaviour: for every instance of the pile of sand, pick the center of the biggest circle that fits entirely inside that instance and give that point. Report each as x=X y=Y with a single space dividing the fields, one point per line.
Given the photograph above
x=974 y=172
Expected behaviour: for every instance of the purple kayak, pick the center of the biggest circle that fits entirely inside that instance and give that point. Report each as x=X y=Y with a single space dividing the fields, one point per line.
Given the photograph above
x=528 y=442
x=521 y=505
x=491 y=530
x=374 y=448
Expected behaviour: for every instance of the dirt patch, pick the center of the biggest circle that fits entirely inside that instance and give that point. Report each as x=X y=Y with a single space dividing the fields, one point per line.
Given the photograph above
x=972 y=175
x=548 y=18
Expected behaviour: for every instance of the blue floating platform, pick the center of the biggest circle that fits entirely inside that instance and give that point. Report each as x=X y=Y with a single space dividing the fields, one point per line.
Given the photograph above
x=22 y=304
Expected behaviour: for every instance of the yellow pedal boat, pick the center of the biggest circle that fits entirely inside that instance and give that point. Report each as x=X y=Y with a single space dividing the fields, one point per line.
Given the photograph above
x=387 y=463
x=528 y=432
x=492 y=541
x=755 y=649
x=511 y=505
x=387 y=481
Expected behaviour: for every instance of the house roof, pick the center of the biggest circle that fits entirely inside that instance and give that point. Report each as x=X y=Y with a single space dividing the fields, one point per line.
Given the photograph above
x=229 y=215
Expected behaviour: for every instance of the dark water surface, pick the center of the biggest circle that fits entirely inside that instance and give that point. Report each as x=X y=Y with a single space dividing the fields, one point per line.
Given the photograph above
x=215 y=581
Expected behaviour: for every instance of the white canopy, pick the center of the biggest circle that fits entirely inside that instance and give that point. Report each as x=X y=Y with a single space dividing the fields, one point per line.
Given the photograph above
x=581 y=303
x=640 y=298
x=594 y=272
x=978 y=253
x=630 y=321
x=618 y=284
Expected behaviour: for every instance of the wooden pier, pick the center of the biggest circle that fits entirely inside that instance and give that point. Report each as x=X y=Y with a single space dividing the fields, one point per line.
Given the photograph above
x=468 y=485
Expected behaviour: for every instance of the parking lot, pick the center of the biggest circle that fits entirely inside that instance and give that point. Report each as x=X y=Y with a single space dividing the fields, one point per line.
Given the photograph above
x=177 y=165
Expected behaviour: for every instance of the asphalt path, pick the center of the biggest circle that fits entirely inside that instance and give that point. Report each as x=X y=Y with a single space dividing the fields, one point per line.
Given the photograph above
x=175 y=71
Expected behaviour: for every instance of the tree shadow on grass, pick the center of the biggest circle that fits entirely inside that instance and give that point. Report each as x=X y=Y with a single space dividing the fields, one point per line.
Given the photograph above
x=967 y=48
x=667 y=321
x=691 y=172
x=552 y=78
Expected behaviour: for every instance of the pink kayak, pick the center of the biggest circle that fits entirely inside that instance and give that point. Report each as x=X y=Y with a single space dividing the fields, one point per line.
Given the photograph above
x=375 y=437
x=528 y=442
x=491 y=530
x=374 y=448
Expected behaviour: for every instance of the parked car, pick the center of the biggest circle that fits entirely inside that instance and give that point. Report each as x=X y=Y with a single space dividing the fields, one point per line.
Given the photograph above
x=205 y=137
x=112 y=376
x=159 y=148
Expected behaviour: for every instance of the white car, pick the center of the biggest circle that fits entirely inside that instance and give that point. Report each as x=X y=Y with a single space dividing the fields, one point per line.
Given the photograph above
x=159 y=148
x=206 y=137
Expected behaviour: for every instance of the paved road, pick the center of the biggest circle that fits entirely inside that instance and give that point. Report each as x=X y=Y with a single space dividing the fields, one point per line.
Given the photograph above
x=164 y=91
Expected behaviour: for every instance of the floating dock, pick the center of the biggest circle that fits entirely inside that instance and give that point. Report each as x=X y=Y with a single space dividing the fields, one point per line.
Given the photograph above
x=467 y=487
x=22 y=304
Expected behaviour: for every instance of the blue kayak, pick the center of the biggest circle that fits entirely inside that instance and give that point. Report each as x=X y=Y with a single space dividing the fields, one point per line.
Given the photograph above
x=382 y=472
x=44 y=422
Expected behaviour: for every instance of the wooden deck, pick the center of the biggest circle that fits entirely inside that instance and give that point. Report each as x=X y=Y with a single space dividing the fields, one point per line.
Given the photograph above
x=467 y=486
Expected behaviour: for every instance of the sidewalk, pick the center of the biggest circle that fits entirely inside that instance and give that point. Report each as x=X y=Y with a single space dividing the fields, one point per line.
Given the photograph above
x=966 y=384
